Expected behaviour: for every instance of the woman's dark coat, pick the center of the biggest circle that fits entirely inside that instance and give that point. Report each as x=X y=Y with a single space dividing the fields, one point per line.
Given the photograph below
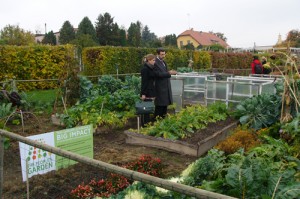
x=148 y=77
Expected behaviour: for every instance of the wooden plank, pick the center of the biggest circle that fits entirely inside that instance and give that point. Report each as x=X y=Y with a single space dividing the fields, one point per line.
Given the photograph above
x=209 y=142
x=161 y=143
x=178 y=146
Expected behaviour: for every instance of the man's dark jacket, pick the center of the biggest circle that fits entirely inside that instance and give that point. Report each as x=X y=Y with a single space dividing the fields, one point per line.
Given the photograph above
x=162 y=84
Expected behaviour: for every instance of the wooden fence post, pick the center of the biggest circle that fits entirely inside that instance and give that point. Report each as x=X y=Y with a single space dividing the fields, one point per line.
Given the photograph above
x=1 y=163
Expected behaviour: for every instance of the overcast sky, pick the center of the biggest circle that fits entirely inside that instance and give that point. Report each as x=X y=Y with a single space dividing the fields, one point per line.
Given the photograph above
x=243 y=22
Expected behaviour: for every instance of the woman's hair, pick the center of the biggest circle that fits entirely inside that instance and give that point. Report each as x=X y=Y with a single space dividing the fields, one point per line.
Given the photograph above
x=255 y=57
x=148 y=57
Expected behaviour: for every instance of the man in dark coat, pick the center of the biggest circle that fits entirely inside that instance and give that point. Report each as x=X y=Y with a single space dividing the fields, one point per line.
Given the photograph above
x=162 y=85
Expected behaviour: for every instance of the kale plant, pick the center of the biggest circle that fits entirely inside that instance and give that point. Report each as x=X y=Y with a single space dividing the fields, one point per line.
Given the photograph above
x=259 y=111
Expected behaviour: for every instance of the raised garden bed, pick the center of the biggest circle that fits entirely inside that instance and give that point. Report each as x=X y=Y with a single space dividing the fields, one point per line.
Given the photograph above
x=196 y=145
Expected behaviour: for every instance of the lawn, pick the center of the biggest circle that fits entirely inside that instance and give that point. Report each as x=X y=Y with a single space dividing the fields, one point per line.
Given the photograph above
x=45 y=96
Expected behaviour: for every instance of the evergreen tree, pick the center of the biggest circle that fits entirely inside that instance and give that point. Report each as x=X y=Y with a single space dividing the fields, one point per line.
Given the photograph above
x=123 y=40
x=14 y=35
x=146 y=34
x=104 y=29
x=149 y=39
x=86 y=27
x=67 y=33
x=171 y=40
x=84 y=40
x=49 y=38
x=115 y=38
x=134 y=34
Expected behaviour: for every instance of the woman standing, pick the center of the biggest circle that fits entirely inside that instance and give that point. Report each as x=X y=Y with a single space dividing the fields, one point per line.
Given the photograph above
x=148 y=84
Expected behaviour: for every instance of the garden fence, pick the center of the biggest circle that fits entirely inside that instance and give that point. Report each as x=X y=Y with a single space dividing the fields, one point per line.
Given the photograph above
x=133 y=175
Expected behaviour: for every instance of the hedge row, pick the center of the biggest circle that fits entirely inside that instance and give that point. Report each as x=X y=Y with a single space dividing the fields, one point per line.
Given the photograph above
x=34 y=63
x=50 y=62
x=231 y=60
x=105 y=60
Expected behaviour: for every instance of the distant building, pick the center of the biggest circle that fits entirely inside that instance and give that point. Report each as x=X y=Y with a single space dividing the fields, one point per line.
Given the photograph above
x=39 y=37
x=199 y=38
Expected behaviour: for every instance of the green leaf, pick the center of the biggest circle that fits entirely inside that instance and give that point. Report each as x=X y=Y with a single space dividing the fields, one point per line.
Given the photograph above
x=244 y=119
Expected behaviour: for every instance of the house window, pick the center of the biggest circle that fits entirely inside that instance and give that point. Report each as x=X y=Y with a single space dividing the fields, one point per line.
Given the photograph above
x=181 y=43
x=188 y=41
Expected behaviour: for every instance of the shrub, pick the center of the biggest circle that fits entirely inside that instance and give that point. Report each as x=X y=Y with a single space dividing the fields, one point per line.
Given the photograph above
x=241 y=138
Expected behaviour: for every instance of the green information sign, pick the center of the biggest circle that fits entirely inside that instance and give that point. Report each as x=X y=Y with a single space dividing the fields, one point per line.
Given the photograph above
x=77 y=140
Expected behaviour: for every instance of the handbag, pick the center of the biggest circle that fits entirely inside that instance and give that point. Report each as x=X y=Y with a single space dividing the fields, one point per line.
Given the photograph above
x=144 y=107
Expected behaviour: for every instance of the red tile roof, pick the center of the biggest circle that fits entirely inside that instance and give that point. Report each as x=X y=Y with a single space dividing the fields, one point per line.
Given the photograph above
x=204 y=38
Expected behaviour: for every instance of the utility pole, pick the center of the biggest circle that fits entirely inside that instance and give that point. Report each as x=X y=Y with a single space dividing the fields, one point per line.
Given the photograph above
x=188 y=14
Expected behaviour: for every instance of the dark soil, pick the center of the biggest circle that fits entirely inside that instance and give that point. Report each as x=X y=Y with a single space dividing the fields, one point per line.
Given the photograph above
x=109 y=146
x=211 y=129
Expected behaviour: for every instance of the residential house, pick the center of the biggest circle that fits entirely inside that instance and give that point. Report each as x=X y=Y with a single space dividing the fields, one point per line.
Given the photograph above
x=199 y=38
x=39 y=37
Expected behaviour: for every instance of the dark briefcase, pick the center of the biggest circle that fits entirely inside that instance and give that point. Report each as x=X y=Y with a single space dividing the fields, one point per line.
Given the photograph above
x=144 y=107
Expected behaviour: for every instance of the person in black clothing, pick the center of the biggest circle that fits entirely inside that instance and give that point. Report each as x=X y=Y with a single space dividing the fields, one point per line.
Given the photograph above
x=256 y=67
x=162 y=85
x=147 y=84
x=263 y=60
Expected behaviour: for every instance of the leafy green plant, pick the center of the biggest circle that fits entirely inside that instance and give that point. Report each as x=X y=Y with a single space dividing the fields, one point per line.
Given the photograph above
x=112 y=110
x=109 y=103
x=204 y=168
x=85 y=88
x=290 y=132
x=6 y=140
x=132 y=83
x=267 y=171
x=5 y=110
x=293 y=127
x=16 y=122
x=184 y=70
x=186 y=122
x=259 y=111
x=108 y=84
x=6 y=143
